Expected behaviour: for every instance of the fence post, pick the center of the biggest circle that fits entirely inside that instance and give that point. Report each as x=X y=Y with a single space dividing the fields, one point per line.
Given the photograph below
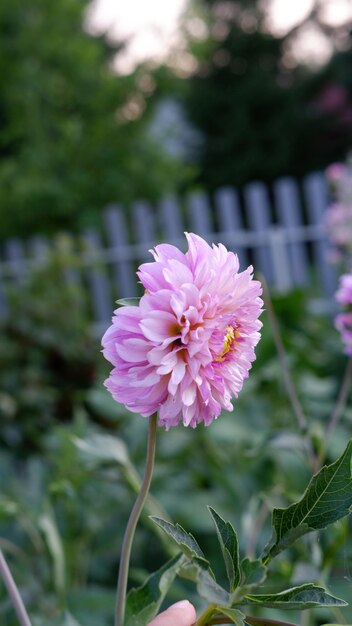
x=124 y=276
x=230 y=219
x=290 y=216
x=280 y=260
x=258 y=216
x=97 y=279
x=317 y=200
x=170 y=218
x=199 y=214
x=144 y=224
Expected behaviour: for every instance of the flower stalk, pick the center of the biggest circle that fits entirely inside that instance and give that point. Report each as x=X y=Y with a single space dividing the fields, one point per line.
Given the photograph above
x=342 y=398
x=338 y=408
x=13 y=592
x=132 y=523
x=205 y=618
x=289 y=384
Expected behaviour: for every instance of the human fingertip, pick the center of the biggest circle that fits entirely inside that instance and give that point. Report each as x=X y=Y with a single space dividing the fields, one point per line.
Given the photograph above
x=182 y=604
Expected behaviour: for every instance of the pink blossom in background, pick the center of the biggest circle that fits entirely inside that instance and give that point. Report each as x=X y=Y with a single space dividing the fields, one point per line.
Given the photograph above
x=335 y=172
x=344 y=292
x=186 y=349
x=338 y=220
x=343 y=323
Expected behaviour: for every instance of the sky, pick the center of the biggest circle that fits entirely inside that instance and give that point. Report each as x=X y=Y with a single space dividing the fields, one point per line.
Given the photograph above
x=152 y=26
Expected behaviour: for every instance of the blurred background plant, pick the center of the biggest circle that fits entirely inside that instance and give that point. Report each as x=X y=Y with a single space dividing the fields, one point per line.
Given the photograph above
x=76 y=133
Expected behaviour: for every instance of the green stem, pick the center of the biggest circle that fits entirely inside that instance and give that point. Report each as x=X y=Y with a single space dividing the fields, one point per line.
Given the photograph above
x=13 y=592
x=205 y=618
x=337 y=410
x=132 y=523
x=289 y=384
x=342 y=399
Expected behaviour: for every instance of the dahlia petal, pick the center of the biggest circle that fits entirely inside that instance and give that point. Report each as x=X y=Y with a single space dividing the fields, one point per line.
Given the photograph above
x=177 y=274
x=188 y=414
x=172 y=387
x=146 y=381
x=189 y=395
x=159 y=326
x=132 y=350
x=152 y=277
x=152 y=302
x=178 y=372
x=126 y=318
x=165 y=251
x=157 y=355
x=198 y=248
x=171 y=408
x=169 y=362
x=177 y=303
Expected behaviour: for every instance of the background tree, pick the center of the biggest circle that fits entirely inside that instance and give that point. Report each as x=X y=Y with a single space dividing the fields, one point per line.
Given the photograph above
x=73 y=134
x=261 y=115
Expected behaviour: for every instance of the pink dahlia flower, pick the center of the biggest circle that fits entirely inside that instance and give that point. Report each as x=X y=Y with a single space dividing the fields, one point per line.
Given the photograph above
x=186 y=349
x=344 y=292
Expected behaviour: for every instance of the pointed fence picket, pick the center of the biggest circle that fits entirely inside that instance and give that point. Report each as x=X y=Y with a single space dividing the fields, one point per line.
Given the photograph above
x=280 y=230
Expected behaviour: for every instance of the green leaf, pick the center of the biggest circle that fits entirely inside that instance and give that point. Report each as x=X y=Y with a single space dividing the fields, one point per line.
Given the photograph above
x=209 y=589
x=185 y=541
x=48 y=526
x=144 y=602
x=189 y=571
x=327 y=498
x=66 y=619
x=306 y=596
x=236 y=616
x=102 y=449
x=253 y=572
x=229 y=547
x=133 y=301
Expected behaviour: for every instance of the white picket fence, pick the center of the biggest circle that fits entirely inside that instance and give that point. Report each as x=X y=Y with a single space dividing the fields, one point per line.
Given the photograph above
x=283 y=236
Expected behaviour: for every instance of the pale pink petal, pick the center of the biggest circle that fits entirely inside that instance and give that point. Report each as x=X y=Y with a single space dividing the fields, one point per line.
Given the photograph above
x=178 y=372
x=132 y=350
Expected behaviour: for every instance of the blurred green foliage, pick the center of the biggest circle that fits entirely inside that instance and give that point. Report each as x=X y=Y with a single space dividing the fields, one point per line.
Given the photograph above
x=70 y=460
x=261 y=115
x=73 y=134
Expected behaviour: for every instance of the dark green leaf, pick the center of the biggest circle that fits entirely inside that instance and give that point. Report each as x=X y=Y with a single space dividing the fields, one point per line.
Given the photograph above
x=236 y=616
x=185 y=541
x=229 y=547
x=144 y=603
x=128 y=301
x=327 y=498
x=253 y=572
x=306 y=596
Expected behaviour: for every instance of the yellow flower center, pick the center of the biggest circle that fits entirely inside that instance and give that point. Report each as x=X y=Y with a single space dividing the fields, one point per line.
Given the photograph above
x=229 y=340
